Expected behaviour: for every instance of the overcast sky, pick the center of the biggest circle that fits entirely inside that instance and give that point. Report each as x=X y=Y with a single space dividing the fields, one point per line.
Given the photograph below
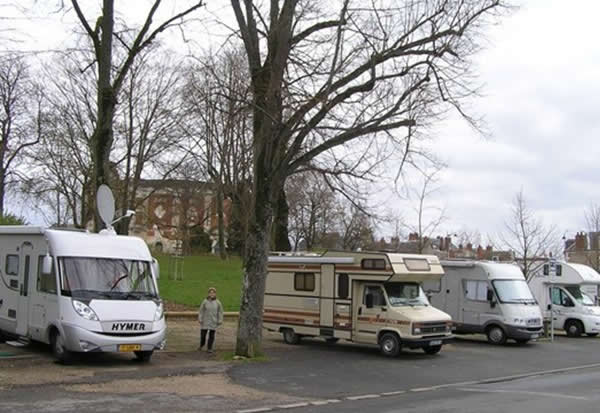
x=541 y=75
x=540 y=71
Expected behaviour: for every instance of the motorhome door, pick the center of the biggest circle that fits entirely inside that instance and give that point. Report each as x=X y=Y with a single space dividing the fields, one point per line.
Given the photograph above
x=327 y=292
x=24 y=288
x=562 y=305
x=370 y=310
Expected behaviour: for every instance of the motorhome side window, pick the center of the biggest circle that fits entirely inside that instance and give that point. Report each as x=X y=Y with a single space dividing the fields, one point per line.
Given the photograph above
x=559 y=297
x=343 y=286
x=476 y=290
x=12 y=264
x=377 y=293
x=304 y=281
x=373 y=264
x=46 y=283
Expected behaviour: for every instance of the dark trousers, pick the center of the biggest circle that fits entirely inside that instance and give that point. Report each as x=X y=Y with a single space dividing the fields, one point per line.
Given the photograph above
x=211 y=338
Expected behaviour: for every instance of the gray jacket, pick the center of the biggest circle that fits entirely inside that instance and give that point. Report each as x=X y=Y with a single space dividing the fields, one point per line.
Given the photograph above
x=210 y=315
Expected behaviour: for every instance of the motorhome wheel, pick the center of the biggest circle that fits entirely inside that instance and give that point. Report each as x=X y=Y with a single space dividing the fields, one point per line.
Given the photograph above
x=143 y=356
x=389 y=344
x=432 y=349
x=496 y=335
x=63 y=355
x=290 y=337
x=573 y=328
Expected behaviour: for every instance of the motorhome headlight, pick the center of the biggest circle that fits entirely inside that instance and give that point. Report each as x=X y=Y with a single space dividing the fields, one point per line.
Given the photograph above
x=520 y=321
x=159 y=313
x=416 y=329
x=85 y=311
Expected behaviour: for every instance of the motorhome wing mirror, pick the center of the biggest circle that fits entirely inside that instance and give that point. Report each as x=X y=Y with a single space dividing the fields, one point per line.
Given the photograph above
x=549 y=307
x=369 y=300
x=155 y=268
x=47 y=265
x=490 y=295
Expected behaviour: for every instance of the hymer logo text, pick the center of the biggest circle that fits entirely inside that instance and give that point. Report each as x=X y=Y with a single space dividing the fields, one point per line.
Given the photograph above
x=128 y=327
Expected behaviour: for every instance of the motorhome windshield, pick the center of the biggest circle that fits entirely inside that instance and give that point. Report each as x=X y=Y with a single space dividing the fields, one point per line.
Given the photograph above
x=405 y=294
x=513 y=291
x=581 y=297
x=105 y=278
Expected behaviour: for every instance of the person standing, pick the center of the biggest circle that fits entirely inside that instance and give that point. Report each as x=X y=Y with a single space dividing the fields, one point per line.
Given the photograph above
x=210 y=318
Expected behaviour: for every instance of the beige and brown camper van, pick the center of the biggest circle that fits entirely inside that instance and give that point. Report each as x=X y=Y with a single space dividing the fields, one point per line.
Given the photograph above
x=372 y=298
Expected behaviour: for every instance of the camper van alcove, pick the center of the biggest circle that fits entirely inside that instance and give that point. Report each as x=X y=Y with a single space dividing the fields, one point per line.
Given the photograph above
x=489 y=298
x=369 y=298
x=80 y=292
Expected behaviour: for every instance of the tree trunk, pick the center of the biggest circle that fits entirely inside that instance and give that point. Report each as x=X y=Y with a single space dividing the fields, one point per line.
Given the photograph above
x=221 y=223
x=249 y=335
x=281 y=239
x=2 y=191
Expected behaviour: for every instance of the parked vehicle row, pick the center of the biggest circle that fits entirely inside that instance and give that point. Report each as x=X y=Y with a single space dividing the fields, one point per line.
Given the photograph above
x=417 y=301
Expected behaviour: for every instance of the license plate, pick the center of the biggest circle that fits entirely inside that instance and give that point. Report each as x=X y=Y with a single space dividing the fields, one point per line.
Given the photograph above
x=435 y=343
x=130 y=347
x=534 y=336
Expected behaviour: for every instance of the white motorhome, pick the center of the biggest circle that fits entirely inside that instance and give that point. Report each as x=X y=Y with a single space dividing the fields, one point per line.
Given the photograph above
x=490 y=298
x=570 y=292
x=80 y=292
x=371 y=298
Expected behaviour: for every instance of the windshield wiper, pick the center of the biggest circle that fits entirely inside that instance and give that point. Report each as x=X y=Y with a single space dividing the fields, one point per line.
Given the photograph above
x=118 y=281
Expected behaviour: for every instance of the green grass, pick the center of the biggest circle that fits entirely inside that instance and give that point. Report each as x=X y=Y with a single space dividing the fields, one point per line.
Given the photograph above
x=199 y=273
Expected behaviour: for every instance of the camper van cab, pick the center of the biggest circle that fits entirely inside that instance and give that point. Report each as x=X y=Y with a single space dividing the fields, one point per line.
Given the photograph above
x=80 y=292
x=370 y=298
x=567 y=290
x=489 y=298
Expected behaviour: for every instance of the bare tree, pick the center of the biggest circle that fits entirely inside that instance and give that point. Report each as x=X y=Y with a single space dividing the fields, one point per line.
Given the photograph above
x=110 y=81
x=592 y=223
x=427 y=217
x=331 y=75
x=21 y=118
x=526 y=235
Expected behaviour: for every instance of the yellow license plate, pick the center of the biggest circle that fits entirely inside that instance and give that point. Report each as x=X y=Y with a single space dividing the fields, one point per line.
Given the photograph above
x=130 y=347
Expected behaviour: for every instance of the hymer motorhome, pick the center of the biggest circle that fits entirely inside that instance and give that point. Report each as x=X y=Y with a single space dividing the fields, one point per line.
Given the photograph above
x=490 y=298
x=570 y=292
x=370 y=298
x=80 y=292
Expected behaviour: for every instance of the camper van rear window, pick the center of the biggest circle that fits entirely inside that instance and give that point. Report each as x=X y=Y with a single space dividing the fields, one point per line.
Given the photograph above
x=12 y=264
x=416 y=264
x=304 y=281
x=373 y=264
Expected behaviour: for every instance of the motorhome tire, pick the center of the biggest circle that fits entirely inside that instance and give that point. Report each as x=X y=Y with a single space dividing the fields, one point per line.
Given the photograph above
x=332 y=340
x=574 y=328
x=591 y=334
x=432 y=349
x=496 y=335
x=290 y=336
x=389 y=345
x=143 y=356
x=59 y=351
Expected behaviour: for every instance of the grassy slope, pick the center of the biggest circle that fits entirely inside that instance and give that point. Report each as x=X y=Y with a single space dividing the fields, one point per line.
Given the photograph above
x=199 y=273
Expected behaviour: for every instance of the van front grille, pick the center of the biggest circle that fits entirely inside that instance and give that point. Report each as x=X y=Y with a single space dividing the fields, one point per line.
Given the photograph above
x=433 y=328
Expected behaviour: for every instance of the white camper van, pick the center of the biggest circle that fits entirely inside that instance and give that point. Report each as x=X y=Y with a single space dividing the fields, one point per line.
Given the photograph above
x=79 y=292
x=371 y=298
x=570 y=292
x=488 y=297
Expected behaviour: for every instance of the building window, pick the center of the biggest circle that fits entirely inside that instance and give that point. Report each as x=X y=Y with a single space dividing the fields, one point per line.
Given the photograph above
x=476 y=290
x=343 y=286
x=12 y=265
x=46 y=283
x=304 y=281
x=373 y=264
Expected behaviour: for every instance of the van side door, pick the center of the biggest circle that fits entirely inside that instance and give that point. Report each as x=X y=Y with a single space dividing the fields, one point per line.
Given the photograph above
x=371 y=313
x=562 y=305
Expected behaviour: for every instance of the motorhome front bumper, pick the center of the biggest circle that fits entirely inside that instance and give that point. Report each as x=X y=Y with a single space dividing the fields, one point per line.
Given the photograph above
x=79 y=339
x=524 y=333
x=413 y=343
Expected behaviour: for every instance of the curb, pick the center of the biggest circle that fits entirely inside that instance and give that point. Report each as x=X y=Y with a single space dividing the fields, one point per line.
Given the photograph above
x=227 y=315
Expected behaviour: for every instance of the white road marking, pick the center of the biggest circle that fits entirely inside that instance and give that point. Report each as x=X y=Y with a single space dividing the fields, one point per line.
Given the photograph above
x=293 y=405
x=260 y=409
x=362 y=397
x=393 y=393
x=324 y=402
x=528 y=393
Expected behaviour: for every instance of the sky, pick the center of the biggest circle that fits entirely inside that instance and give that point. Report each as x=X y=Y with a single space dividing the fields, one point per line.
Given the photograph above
x=541 y=94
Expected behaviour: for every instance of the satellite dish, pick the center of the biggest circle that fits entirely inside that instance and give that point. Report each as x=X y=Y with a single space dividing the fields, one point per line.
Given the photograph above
x=106 y=205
